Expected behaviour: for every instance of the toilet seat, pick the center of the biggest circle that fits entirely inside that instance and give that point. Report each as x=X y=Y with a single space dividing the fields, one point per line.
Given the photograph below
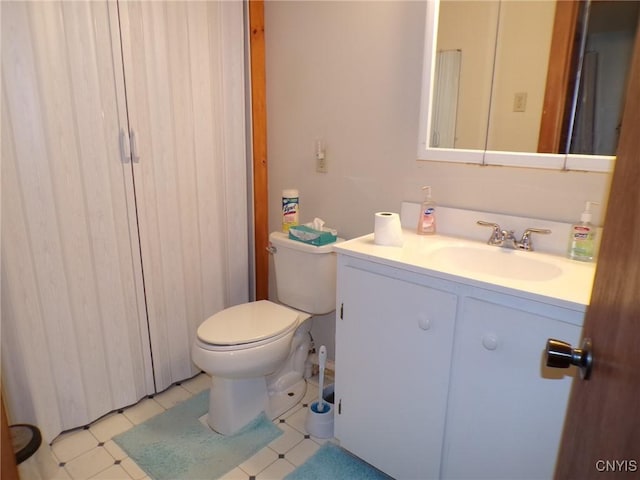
x=246 y=326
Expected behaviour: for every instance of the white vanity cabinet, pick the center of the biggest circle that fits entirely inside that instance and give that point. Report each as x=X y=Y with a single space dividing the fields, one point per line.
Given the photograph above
x=393 y=346
x=440 y=377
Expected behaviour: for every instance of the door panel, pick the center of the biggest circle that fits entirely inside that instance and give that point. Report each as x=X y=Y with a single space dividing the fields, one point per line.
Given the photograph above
x=74 y=343
x=190 y=178
x=382 y=340
x=505 y=412
x=602 y=428
x=82 y=229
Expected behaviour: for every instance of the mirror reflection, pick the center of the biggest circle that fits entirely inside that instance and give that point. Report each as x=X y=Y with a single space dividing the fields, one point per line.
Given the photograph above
x=531 y=75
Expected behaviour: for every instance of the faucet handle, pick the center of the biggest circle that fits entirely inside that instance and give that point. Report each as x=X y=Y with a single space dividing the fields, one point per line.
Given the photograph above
x=525 y=242
x=497 y=237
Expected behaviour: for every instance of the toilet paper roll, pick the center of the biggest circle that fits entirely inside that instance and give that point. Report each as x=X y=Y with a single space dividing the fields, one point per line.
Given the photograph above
x=387 y=229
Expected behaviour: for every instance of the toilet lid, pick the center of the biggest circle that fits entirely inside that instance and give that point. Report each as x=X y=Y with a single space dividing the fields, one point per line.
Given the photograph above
x=247 y=323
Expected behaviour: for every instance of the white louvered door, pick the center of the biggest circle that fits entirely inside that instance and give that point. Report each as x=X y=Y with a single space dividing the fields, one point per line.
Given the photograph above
x=109 y=264
x=74 y=332
x=183 y=64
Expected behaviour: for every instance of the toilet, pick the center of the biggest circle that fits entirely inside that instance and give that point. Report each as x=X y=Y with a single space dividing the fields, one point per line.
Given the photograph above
x=256 y=352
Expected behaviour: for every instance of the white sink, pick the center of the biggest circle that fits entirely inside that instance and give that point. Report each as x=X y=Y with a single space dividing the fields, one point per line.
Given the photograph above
x=496 y=261
x=563 y=282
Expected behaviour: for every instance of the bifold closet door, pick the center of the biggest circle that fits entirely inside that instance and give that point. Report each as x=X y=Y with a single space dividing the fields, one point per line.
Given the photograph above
x=74 y=332
x=184 y=73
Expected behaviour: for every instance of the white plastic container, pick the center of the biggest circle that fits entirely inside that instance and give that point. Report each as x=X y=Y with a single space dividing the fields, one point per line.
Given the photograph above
x=290 y=209
x=320 y=424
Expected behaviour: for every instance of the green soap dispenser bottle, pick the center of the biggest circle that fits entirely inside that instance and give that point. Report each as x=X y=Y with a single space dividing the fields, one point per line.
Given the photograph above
x=582 y=238
x=427 y=220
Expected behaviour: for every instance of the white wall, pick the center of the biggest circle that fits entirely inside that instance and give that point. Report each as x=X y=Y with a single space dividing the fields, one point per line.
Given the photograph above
x=350 y=73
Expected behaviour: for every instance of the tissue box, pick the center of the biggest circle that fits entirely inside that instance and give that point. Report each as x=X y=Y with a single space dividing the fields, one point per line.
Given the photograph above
x=305 y=234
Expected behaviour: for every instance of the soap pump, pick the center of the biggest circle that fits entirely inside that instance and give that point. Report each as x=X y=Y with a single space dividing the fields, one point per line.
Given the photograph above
x=427 y=220
x=582 y=237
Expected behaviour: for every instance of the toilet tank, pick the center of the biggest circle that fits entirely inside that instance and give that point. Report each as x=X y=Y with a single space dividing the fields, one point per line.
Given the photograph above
x=305 y=274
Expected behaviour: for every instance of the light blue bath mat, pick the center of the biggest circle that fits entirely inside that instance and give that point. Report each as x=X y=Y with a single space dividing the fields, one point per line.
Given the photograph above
x=175 y=445
x=333 y=462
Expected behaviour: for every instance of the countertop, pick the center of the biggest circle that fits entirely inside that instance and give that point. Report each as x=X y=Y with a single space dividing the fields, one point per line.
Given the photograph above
x=569 y=288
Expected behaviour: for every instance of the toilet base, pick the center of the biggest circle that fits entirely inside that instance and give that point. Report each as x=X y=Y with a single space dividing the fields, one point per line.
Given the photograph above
x=283 y=401
x=233 y=403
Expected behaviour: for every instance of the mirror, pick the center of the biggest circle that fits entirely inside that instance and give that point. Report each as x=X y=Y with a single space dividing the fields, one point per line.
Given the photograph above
x=509 y=82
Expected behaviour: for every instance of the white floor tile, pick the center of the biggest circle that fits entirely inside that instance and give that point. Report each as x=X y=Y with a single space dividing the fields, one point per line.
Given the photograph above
x=259 y=461
x=311 y=395
x=114 y=450
x=133 y=469
x=60 y=474
x=143 y=410
x=298 y=420
x=114 y=472
x=70 y=445
x=302 y=452
x=110 y=426
x=235 y=474
x=322 y=441
x=289 y=439
x=42 y=465
x=290 y=412
x=173 y=396
x=89 y=464
x=276 y=471
x=197 y=384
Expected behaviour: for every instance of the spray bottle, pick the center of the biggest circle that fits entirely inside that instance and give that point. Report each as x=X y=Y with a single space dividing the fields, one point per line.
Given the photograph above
x=582 y=237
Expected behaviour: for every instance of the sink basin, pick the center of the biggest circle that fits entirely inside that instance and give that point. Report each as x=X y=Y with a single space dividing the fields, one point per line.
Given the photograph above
x=496 y=261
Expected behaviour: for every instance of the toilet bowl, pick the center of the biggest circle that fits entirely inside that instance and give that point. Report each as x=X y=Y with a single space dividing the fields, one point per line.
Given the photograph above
x=242 y=347
x=256 y=352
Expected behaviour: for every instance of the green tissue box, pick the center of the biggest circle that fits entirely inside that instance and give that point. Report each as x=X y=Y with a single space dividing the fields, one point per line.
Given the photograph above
x=305 y=234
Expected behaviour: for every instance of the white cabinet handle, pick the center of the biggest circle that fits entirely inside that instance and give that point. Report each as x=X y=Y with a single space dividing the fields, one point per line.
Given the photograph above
x=490 y=341
x=424 y=322
x=135 y=158
x=124 y=147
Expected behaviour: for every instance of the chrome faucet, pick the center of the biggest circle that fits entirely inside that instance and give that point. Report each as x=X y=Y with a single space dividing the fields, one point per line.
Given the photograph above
x=506 y=238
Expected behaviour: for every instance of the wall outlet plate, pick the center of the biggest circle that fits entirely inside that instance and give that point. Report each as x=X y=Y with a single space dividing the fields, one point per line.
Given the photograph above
x=520 y=102
x=321 y=164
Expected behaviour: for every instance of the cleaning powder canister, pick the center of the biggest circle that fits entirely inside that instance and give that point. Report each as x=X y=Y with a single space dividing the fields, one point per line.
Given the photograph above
x=290 y=208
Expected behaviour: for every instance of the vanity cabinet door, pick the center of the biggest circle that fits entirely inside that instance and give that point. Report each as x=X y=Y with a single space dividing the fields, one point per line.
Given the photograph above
x=393 y=350
x=506 y=408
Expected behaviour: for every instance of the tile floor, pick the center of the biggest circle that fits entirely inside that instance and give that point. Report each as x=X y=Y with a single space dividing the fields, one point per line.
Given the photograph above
x=90 y=453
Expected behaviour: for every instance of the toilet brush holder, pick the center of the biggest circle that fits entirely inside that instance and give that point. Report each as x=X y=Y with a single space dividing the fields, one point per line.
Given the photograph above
x=320 y=424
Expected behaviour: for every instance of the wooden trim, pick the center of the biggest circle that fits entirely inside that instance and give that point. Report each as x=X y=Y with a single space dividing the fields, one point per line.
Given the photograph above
x=559 y=74
x=259 y=128
x=9 y=470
